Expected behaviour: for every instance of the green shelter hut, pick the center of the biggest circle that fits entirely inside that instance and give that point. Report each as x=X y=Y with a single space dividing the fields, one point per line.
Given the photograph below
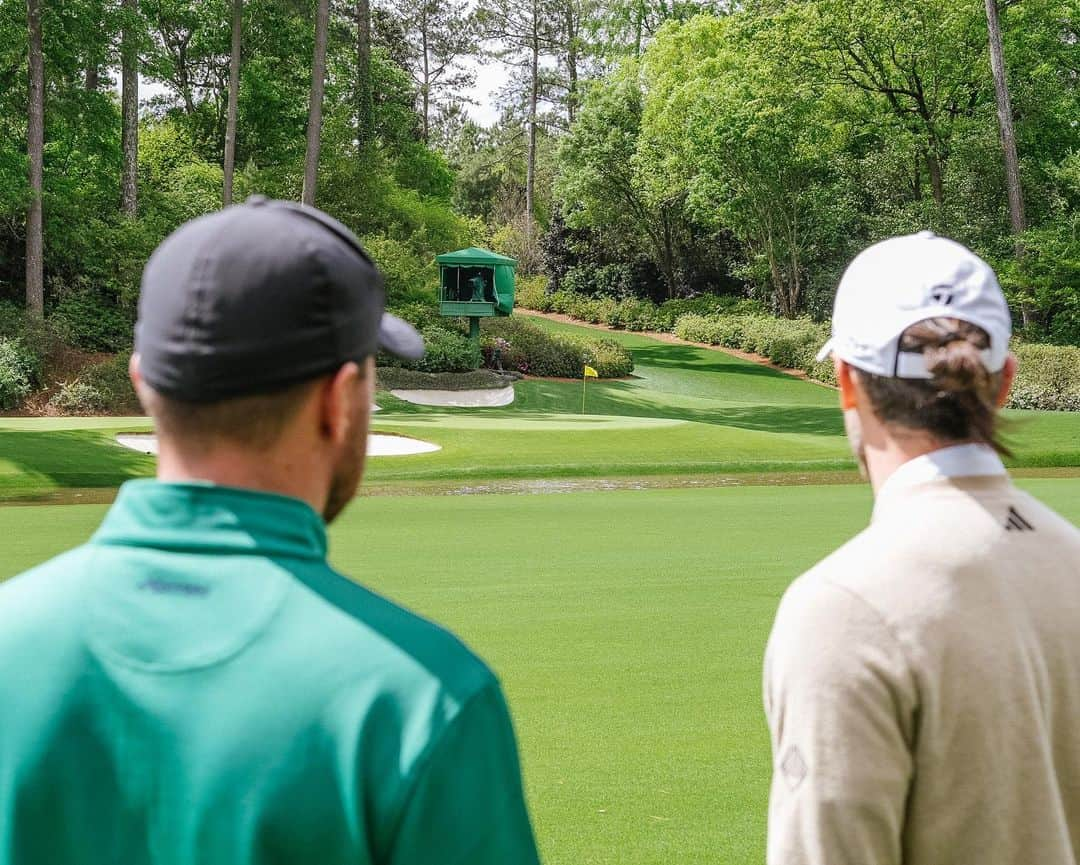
x=475 y=283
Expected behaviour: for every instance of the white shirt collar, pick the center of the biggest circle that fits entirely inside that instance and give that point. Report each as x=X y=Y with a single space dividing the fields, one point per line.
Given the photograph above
x=970 y=460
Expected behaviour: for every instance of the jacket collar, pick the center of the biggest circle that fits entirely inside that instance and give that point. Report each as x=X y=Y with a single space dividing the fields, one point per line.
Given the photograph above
x=200 y=517
x=967 y=465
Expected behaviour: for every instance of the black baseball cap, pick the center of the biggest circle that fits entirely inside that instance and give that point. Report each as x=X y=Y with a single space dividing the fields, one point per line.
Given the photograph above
x=259 y=296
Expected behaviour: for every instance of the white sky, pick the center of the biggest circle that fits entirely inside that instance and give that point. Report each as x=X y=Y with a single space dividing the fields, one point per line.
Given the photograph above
x=489 y=78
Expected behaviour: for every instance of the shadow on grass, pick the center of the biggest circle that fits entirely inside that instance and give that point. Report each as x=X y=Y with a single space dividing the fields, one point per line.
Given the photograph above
x=626 y=399
x=69 y=458
x=667 y=356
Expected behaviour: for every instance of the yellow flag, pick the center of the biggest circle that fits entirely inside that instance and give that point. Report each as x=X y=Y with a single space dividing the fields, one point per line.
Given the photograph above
x=591 y=373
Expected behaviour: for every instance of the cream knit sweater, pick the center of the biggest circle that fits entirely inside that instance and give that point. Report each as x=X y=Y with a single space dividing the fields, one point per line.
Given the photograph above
x=922 y=687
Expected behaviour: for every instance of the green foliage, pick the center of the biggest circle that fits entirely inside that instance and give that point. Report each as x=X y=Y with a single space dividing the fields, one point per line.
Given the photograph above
x=791 y=344
x=530 y=291
x=408 y=277
x=86 y=319
x=78 y=398
x=424 y=170
x=629 y=313
x=1045 y=281
x=14 y=375
x=1048 y=378
x=446 y=349
x=534 y=351
x=393 y=378
x=798 y=133
x=110 y=379
x=31 y=340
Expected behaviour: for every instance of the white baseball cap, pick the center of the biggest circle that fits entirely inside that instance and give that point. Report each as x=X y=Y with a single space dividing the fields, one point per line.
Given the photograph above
x=902 y=281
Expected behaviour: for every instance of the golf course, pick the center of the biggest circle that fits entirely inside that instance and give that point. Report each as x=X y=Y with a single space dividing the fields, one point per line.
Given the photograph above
x=619 y=568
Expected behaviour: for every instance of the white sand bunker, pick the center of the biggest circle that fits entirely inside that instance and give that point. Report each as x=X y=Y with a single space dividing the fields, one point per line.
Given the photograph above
x=378 y=445
x=484 y=398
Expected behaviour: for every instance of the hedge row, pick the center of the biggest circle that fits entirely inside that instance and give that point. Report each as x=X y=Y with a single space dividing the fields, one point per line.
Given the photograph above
x=628 y=313
x=1048 y=378
x=395 y=378
x=531 y=350
x=792 y=344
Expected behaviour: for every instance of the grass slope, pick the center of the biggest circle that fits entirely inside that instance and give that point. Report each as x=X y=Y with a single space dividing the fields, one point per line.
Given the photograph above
x=628 y=629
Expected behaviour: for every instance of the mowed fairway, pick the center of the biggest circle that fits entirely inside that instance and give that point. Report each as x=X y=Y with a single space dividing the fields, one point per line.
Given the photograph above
x=628 y=629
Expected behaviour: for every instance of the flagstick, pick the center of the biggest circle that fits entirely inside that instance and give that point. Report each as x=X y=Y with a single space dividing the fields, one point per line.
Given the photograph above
x=584 y=379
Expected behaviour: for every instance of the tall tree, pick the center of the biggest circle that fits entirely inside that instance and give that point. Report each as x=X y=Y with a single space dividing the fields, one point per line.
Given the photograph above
x=440 y=34
x=920 y=61
x=524 y=30
x=571 y=13
x=234 y=94
x=35 y=141
x=129 y=107
x=365 y=101
x=1005 y=122
x=600 y=186
x=318 y=87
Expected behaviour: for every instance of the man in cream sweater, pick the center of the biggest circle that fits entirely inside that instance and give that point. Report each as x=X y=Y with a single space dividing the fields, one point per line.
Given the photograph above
x=922 y=684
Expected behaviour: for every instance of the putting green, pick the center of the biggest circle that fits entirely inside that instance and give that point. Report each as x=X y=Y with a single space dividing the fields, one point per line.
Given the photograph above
x=628 y=629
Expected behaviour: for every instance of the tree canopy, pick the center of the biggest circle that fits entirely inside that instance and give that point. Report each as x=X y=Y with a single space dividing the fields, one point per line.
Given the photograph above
x=653 y=149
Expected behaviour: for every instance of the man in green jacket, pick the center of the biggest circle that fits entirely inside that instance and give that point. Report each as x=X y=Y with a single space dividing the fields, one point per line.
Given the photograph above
x=196 y=684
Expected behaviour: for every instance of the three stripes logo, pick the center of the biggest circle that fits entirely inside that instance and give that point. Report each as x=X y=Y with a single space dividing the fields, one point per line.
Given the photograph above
x=1016 y=523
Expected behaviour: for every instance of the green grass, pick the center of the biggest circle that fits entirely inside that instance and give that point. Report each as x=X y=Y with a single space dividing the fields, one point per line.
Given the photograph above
x=628 y=629
x=688 y=411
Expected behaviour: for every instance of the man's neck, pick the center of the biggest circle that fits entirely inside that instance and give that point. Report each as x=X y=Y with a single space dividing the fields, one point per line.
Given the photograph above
x=891 y=451
x=263 y=472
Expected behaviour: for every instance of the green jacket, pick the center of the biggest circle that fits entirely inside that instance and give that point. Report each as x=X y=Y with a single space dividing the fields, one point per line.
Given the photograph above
x=197 y=685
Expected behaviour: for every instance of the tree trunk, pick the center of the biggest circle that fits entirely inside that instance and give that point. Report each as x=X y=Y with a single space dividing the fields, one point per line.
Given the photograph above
x=534 y=87
x=365 y=110
x=571 y=62
x=318 y=85
x=129 y=109
x=1005 y=121
x=35 y=144
x=234 y=93
x=937 y=182
x=92 y=77
x=425 y=72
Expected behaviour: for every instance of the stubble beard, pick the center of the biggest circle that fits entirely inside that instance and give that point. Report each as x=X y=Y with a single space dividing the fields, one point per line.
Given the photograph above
x=344 y=483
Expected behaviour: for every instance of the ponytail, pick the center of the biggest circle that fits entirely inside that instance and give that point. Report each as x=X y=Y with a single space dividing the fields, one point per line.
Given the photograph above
x=959 y=401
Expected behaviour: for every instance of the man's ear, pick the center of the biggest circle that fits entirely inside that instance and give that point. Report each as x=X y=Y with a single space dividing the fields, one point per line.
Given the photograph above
x=339 y=398
x=845 y=378
x=133 y=371
x=1008 y=375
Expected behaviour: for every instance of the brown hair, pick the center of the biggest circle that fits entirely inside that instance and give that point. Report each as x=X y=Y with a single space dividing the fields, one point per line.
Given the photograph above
x=959 y=403
x=255 y=421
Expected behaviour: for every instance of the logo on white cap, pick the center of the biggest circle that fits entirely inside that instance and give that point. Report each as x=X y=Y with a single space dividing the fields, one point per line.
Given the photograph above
x=904 y=280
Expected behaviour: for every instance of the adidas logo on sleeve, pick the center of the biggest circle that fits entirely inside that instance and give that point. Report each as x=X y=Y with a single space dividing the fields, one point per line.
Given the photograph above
x=1016 y=523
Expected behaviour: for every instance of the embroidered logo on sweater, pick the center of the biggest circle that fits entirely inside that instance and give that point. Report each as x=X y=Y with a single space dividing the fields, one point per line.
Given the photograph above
x=793 y=767
x=1017 y=523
